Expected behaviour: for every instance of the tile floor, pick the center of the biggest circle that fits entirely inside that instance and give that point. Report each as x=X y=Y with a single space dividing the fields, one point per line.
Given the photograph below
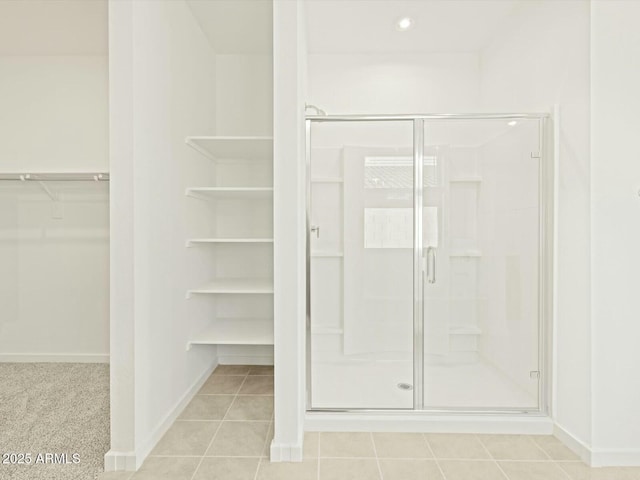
x=225 y=432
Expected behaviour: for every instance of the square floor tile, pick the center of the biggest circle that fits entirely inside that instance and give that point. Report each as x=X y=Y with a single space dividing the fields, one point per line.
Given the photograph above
x=456 y=446
x=252 y=407
x=346 y=445
x=167 y=468
x=349 y=469
x=222 y=384
x=409 y=469
x=512 y=447
x=305 y=470
x=186 y=438
x=580 y=471
x=207 y=407
x=401 y=445
x=311 y=444
x=261 y=370
x=471 y=470
x=532 y=471
x=257 y=385
x=232 y=370
x=224 y=468
x=554 y=447
x=239 y=439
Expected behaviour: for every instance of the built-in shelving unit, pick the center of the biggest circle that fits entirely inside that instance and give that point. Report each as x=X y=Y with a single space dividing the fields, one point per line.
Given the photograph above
x=230 y=193
x=237 y=224
x=236 y=331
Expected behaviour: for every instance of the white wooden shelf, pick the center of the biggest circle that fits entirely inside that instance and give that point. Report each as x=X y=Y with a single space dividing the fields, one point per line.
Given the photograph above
x=204 y=241
x=327 y=254
x=233 y=148
x=327 y=180
x=467 y=179
x=236 y=331
x=230 y=193
x=235 y=286
x=464 y=330
x=465 y=253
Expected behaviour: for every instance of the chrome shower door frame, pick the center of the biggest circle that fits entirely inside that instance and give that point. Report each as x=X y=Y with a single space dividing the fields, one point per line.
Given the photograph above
x=545 y=261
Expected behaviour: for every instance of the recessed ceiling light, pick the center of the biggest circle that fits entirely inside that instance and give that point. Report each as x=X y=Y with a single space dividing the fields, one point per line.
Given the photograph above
x=404 y=24
x=512 y=123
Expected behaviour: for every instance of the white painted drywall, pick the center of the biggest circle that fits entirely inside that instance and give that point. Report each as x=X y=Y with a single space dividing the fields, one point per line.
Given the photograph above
x=289 y=53
x=541 y=58
x=55 y=287
x=615 y=231
x=244 y=94
x=167 y=94
x=394 y=83
x=54 y=113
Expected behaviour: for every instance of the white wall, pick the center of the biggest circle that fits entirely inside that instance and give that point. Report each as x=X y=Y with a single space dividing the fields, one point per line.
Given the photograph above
x=542 y=59
x=54 y=113
x=289 y=51
x=54 y=290
x=166 y=94
x=244 y=94
x=394 y=83
x=615 y=231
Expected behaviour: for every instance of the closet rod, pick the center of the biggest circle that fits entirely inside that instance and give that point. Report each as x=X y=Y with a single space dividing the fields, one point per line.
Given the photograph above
x=56 y=177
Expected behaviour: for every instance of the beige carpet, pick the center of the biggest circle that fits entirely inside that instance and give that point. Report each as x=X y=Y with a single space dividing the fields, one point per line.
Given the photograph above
x=55 y=408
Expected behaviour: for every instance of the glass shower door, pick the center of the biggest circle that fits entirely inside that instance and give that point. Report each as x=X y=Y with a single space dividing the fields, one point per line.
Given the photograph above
x=361 y=264
x=482 y=264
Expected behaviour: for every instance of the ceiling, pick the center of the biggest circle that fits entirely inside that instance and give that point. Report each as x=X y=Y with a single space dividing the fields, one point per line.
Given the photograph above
x=235 y=26
x=369 y=26
x=53 y=27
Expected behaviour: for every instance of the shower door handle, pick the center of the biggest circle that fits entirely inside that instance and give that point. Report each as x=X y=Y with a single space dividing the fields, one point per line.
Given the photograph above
x=431 y=264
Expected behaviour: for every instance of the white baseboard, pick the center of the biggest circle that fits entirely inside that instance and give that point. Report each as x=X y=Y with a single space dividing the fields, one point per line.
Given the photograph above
x=54 y=358
x=627 y=457
x=132 y=461
x=281 y=452
x=598 y=457
x=426 y=422
x=574 y=443
x=245 y=359
x=116 y=461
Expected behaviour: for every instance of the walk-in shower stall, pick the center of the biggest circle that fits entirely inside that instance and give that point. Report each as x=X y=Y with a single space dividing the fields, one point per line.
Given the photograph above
x=429 y=262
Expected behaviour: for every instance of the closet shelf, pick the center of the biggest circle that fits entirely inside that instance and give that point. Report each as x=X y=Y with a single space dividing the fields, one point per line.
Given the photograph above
x=233 y=148
x=465 y=253
x=464 y=330
x=230 y=193
x=56 y=176
x=235 y=286
x=328 y=254
x=327 y=180
x=467 y=179
x=201 y=241
x=236 y=331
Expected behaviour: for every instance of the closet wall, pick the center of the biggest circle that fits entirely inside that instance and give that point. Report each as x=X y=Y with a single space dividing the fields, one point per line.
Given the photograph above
x=54 y=284
x=194 y=75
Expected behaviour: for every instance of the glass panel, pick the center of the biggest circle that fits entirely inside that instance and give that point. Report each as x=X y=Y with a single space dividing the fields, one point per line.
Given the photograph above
x=362 y=265
x=481 y=236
